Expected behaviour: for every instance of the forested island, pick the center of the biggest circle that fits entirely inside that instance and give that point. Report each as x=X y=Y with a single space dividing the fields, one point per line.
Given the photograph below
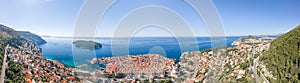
x=87 y=44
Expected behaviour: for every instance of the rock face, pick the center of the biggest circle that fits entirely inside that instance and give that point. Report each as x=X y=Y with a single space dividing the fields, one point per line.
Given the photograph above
x=87 y=44
x=32 y=37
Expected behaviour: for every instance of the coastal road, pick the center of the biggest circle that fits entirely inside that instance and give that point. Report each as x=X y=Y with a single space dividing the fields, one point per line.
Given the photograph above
x=255 y=73
x=4 y=65
x=254 y=69
x=264 y=78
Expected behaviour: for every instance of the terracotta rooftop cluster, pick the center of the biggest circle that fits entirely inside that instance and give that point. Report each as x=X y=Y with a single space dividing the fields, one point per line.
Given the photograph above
x=196 y=65
x=39 y=69
x=148 y=63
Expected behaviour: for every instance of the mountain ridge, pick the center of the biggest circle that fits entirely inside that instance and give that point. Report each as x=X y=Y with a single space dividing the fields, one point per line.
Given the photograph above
x=32 y=37
x=7 y=32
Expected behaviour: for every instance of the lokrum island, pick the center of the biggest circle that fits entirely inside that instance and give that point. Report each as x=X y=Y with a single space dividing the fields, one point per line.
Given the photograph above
x=87 y=44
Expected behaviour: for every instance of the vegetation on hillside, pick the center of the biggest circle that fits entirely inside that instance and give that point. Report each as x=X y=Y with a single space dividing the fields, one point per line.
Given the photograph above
x=283 y=57
x=9 y=36
x=14 y=72
x=9 y=33
x=87 y=44
x=32 y=37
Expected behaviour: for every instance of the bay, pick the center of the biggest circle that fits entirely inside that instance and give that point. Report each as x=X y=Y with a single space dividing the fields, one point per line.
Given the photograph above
x=62 y=50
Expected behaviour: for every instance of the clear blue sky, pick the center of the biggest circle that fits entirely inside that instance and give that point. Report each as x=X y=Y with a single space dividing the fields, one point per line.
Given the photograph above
x=240 y=17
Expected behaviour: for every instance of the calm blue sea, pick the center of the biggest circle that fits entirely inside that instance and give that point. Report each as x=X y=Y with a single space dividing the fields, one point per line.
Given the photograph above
x=61 y=49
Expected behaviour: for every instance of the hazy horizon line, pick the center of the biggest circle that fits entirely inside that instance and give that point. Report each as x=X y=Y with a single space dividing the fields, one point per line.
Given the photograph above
x=156 y=36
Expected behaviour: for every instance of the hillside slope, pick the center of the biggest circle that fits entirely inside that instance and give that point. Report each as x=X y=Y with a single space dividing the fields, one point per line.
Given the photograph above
x=283 y=57
x=32 y=37
x=9 y=33
x=14 y=38
x=6 y=32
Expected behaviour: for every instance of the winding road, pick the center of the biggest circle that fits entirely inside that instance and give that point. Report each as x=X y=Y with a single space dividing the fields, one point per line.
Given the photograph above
x=4 y=65
x=254 y=69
